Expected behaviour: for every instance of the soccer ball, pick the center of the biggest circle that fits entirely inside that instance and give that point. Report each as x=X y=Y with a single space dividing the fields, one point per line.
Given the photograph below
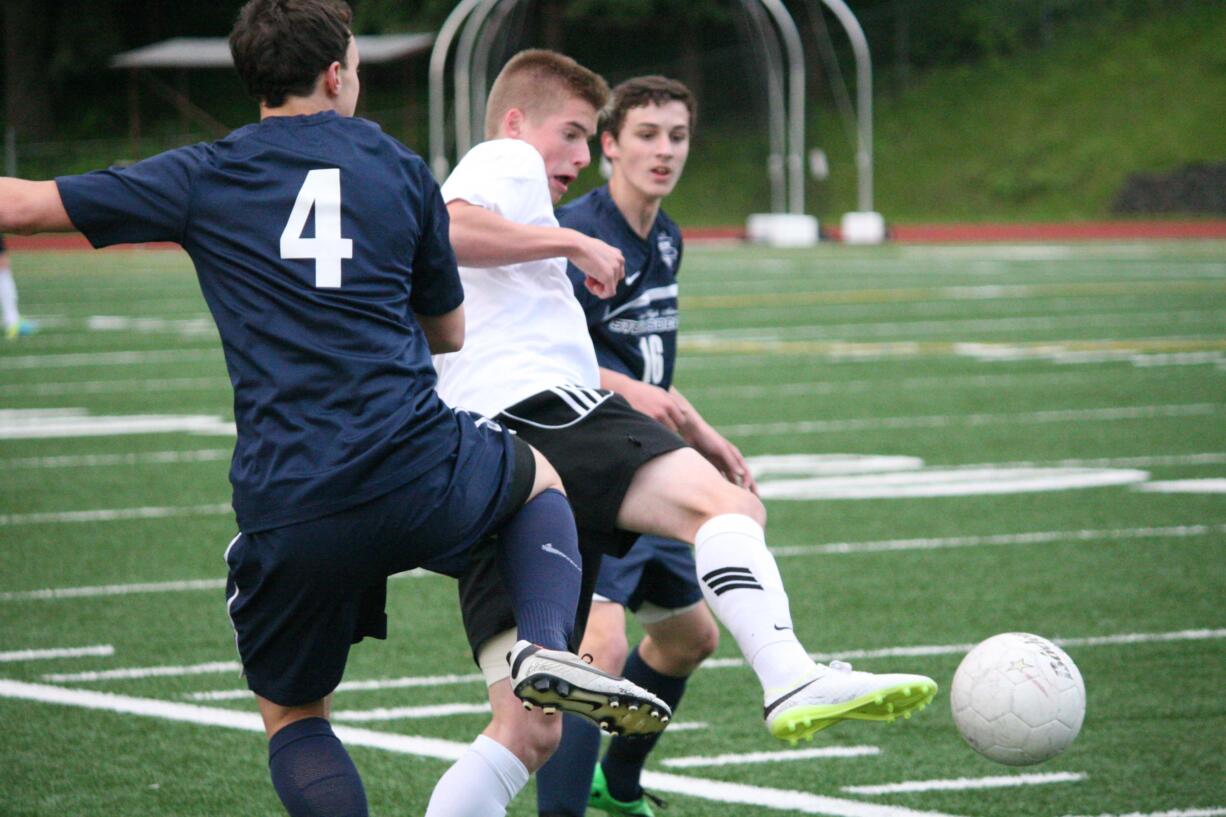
x=1018 y=699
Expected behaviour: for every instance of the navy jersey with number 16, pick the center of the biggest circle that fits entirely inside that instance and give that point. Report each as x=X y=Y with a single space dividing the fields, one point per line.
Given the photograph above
x=315 y=240
x=635 y=331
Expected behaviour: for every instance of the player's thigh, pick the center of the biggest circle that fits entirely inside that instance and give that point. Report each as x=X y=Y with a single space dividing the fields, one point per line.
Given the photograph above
x=675 y=493
x=605 y=636
x=546 y=478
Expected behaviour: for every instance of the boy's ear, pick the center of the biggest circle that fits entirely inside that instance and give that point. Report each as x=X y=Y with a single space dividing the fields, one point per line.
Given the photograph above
x=332 y=79
x=608 y=144
x=513 y=123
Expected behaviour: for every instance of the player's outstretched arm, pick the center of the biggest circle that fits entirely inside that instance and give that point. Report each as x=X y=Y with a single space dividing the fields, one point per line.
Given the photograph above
x=444 y=333
x=483 y=238
x=32 y=207
x=655 y=402
x=711 y=444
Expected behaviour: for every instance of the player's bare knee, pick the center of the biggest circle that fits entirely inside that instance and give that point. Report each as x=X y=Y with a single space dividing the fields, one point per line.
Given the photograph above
x=607 y=646
x=733 y=499
x=539 y=739
x=547 y=477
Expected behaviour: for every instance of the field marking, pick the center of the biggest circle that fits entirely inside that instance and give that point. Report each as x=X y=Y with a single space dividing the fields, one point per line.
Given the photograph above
x=945 y=482
x=26 y=424
x=410 y=712
x=827 y=752
x=113 y=514
x=968 y=783
x=145 y=672
x=101 y=650
x=102 y=460
x=989 y=292
x=1210 y=811
x=445 y=750
x=1170 y=349
x=727 y=663
x=1184 y=486
x=783 y=551
x=947 y=420
x=91 y=359
x=112 y=590
x=116 y=386
x=1009 y=323
x=1028 y=538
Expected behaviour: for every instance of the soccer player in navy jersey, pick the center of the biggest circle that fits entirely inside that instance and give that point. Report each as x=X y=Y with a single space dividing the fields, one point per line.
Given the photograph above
x=645 y=134
x=321 y=246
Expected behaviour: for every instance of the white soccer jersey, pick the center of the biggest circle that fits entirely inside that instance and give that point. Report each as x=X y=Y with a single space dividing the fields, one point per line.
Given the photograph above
x=525 y=331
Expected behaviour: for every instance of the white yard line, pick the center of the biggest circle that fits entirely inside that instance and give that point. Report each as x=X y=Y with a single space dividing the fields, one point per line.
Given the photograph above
x=1184 y=486
x=145 y=672
x=101 y=650
x=1210 y=811
x=410 y=712
x=968 y=783
x=91 y=359
x=46 y=389
x=113 y=514
x=726 y=663
x=35 y=424
x=105 y=460
x=833 y=548
x=828 y=752
x=1028 y=538
x=947 y=420
x=446 y=750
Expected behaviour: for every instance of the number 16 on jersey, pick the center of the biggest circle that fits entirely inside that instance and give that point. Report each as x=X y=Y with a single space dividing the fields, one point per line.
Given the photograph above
x=321 y=190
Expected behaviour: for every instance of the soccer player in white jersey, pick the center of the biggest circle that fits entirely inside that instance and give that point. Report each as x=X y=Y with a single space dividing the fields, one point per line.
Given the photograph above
x=529 y=362
x=15 y=326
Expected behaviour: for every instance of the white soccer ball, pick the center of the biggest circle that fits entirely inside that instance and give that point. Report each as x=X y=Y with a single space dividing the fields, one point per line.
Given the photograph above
x=1018 y=699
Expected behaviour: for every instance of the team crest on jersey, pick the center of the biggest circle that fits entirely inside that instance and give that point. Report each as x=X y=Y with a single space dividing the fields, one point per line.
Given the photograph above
x=668 y=252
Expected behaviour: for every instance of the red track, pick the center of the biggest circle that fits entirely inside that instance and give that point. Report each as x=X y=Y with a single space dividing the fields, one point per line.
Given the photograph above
x=905 y=233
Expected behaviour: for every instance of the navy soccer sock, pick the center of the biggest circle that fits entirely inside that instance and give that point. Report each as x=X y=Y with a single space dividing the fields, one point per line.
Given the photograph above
x=623 y=762
x=562 y=784
x=539 y=558
x=312 y=772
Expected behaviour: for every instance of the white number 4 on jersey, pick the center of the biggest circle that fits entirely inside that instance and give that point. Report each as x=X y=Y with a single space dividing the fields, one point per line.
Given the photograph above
x=321 y=190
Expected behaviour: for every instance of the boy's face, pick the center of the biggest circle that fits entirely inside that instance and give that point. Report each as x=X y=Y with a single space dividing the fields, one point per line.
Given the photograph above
x=561 y=138
x=650 y=152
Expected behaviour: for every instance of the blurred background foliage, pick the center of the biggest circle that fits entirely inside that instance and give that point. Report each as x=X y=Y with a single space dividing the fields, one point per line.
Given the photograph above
x=1013 y=109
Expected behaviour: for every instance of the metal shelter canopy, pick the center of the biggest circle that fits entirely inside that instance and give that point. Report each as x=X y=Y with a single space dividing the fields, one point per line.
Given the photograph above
x=774 y=37
x=214 y=52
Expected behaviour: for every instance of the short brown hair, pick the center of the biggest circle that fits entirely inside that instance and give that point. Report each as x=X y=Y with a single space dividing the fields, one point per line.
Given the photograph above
x=640 y=92
x=538 y=82
x=280 y=47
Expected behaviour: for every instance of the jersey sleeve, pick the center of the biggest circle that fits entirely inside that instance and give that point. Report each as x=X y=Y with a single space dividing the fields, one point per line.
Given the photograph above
x=148 y=201
x=505 y=176
x=436 y=281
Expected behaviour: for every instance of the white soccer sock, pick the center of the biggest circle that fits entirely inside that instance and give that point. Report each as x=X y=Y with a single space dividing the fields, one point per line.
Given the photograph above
x=8 y=297
x=481 y=783
x=741 y=583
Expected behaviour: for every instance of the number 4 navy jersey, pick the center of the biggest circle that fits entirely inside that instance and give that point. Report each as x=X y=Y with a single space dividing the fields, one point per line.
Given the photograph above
x=635 y=331
x=315 y=239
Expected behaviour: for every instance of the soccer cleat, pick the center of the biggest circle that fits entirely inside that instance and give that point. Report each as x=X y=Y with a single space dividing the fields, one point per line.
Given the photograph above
x=839 y=693
x=602 y=800
x=22 y=328
x=556 y=680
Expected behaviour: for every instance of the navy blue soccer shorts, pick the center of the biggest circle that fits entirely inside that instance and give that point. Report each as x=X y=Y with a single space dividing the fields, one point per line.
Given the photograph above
x=300 y=595
x=655 y=571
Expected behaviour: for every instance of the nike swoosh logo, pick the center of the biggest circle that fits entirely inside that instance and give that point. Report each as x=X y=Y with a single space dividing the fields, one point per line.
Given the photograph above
x=549 y=548
x=630 y=279
x=767 y=710
x=777 y=627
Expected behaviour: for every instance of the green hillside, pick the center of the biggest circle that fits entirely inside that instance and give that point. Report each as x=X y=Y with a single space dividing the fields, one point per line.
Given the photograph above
x=1050 y=134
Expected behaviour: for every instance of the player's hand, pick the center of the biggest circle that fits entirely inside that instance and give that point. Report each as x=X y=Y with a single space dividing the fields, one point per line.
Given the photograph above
x=656 y=403
x=722 y=454
x=603 y=265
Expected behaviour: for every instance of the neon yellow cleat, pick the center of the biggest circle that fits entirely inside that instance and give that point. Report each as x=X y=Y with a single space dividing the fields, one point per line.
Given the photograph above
x=839 y=693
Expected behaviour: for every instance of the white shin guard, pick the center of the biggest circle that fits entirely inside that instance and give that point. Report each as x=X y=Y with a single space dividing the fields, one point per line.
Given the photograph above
x=481 y=783
x=741 y=583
